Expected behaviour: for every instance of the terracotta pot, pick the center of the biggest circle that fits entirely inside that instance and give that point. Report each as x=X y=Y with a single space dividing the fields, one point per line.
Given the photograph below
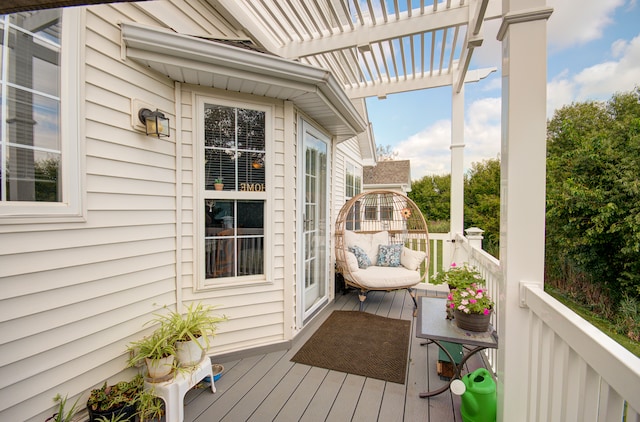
x=218 y=186
x=472 y=322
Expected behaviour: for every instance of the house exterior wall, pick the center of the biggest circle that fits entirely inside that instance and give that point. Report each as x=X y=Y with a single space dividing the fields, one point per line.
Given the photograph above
x=75 y=294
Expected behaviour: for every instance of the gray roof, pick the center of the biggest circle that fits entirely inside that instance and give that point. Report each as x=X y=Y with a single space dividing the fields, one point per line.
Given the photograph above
x=392 y=172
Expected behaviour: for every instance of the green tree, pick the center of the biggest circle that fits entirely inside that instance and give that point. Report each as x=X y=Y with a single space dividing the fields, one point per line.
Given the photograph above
x=482 y=201
x=432 y=194
x=593 y=193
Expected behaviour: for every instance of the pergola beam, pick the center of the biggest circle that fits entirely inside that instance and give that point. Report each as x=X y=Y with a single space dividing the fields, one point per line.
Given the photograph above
x=411 y=83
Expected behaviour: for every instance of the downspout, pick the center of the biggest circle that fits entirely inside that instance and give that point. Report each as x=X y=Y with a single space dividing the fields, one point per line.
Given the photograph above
x=178 y=146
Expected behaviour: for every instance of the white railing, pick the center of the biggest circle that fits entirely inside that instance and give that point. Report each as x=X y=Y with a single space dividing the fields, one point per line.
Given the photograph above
x=440 y=253
x=576 y=372
x=489 y=267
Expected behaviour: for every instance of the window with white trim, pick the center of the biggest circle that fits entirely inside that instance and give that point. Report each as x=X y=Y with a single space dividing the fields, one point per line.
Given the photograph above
x=39 y=136
x=353 y=186
x=353 y=181
x=234 y=189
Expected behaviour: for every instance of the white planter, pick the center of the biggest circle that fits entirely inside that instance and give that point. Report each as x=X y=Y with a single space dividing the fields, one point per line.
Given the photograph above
x=159 y=368
x=190 y=353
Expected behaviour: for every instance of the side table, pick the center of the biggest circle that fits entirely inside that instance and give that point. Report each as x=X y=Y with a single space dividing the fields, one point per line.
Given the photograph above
x=433 y=325
x=174 y=390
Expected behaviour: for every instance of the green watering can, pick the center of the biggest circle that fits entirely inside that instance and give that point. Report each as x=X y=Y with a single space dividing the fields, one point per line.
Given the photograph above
x=478 y=395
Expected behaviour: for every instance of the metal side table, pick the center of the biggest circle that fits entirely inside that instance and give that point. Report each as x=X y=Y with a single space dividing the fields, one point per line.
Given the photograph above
x=433 y=326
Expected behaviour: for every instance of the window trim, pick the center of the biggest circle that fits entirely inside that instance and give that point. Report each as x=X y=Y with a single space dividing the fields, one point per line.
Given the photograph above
x=201 y=282
x=71 y=208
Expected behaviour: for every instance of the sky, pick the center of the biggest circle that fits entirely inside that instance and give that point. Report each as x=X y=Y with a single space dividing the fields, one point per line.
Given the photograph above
x=593 y=51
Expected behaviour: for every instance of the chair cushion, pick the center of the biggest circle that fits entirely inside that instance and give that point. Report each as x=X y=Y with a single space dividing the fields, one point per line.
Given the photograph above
x=389 y=255
x=383 y=278
x=411 y=259
x=361 y=256
x=369 y=242
x=352 y=262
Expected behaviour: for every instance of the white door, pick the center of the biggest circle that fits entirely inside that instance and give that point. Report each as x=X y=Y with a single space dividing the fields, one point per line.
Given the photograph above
x=315 y=220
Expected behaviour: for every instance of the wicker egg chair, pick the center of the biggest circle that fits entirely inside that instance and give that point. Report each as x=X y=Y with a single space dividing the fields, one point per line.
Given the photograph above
x=382 y=243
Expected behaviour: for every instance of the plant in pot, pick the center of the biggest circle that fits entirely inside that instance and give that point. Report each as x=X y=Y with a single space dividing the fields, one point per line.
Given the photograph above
x=150 y=407
x=192 y=331
x=157 y=351
x=458 y=276
x=472 y=307
x=115 y=402
x=217 y=183
x=63 y=413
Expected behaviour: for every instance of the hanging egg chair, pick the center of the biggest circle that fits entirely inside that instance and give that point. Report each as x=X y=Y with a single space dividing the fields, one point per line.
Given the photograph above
x=382 y=243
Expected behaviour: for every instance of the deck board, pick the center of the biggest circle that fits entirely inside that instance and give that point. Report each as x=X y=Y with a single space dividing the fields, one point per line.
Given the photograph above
x=269 y=387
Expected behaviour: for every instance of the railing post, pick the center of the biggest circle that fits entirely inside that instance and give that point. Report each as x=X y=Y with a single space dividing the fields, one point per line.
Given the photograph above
x=522 y=194
x=474 y=235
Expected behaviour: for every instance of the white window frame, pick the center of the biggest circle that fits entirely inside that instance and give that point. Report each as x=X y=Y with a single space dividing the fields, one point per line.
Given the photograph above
x=357 y=171
x=203 y=283
x=70 y=208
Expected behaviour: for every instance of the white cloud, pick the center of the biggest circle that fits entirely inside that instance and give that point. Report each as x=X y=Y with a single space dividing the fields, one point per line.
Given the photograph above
x=576 y=22
x=429 y=150
x=613 y=76
x=600 y=81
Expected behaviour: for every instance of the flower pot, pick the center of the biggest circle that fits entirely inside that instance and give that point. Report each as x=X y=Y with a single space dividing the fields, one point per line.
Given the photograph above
x=158 y=368
x=190 y=353
x=218 y=186
x=123 y=413
x=472 y=322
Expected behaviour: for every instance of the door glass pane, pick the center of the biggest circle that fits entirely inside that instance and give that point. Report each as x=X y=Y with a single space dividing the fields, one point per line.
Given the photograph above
x=315 y=221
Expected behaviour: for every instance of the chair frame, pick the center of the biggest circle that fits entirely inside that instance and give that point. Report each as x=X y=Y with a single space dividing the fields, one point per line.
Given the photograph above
x=398 y=215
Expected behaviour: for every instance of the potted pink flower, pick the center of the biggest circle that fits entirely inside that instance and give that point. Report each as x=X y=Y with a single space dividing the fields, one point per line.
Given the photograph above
x=471 y=306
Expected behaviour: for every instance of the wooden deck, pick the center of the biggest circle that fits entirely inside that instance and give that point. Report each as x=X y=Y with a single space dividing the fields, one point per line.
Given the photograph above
x=269 y=387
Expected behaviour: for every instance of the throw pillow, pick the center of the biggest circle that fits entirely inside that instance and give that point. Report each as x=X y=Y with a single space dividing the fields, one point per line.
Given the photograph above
x=411 y=259
x=361 y=256
x=389 y=255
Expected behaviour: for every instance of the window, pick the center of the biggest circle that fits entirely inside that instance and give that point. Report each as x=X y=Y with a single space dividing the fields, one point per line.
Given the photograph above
x=379 y=208
x=353 y=182
x=234 y=190
x=39 y=77
x=353 y=186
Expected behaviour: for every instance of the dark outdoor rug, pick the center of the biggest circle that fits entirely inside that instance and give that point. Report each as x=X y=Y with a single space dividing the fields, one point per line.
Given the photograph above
x=360 y=343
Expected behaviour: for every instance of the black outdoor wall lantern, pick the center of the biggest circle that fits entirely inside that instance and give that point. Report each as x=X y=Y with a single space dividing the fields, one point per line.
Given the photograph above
x=155 y=122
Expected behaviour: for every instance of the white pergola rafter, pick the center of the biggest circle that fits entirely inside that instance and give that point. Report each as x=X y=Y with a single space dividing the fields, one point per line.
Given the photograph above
x=373 y=47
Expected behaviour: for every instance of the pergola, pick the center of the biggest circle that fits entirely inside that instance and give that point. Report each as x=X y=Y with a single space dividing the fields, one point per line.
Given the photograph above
x=375 y=48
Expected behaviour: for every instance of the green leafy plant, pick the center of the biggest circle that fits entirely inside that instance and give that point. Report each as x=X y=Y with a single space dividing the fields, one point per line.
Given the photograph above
x=150 y=407
x=63 y=413
x=198 y=322
x=117 y=396
x=160 y=344
x=458 y=276
x=217 y=181
x=470 y=300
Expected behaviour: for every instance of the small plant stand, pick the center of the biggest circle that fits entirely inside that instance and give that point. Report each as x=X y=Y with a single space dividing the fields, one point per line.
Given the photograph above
x=172 y=392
